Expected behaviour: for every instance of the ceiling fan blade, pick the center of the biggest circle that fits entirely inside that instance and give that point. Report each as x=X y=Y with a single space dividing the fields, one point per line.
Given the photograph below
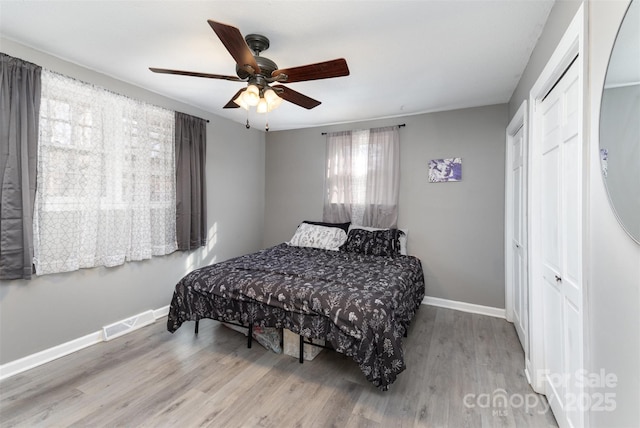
x=195 y=74
x=320 y=70
x=235 y=44
x=231 y=104
x=294 y=97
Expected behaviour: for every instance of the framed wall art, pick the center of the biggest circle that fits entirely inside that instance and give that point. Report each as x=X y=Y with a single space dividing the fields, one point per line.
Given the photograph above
x=445 y=170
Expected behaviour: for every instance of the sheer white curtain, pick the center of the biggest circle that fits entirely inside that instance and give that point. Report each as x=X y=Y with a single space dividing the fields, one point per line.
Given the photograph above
x=338 y=197
x=106 y=178
x=363 y=177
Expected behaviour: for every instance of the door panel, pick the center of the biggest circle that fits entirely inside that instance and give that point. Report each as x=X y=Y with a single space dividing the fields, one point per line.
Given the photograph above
x=554 y=337
x=519 y=244
x=551 y=212
x=573 y=356
x=572 y=209
x=561 y=245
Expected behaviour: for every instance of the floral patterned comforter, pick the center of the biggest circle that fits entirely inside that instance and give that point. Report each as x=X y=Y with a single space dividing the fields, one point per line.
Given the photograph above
x=361 y=304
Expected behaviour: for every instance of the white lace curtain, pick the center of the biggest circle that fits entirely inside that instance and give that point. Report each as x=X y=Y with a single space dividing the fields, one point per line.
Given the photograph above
x=363 y=177
x=106 y=178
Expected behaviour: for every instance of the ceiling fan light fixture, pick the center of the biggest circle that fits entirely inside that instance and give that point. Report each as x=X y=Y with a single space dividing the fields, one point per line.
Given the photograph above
x=251 y=96
x=270 y=95
x=262 y=106
x=275 y=104
x=240 y=101
x=273 y=100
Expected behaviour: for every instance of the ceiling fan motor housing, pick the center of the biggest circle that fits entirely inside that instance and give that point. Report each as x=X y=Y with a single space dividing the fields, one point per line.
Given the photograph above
x=266 y=68
x=257 y=43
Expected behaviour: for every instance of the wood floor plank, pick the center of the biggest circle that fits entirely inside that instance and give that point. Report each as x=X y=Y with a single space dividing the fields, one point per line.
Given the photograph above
x=370 y=406
x=38 y=411
x=178 y=412
x=403 y=400
x=152 y=378
x=338 y=393
x=131 y=407
x=438 y=372
x=465 y=380
x=311 y=379
x=253 y=396
x=337 y=410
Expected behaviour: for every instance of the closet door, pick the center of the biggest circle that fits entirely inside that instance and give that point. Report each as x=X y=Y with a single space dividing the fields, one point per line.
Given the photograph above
x=561 y=245
x=518 y=243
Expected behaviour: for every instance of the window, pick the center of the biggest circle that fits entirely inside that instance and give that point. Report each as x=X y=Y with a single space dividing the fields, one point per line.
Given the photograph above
x=362 y=182
x=106 y=178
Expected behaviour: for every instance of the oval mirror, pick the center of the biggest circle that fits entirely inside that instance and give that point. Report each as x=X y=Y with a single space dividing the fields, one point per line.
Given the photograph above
x=620 y=124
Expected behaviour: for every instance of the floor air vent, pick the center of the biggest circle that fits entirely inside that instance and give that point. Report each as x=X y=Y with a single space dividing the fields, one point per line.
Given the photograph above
x=119 y=328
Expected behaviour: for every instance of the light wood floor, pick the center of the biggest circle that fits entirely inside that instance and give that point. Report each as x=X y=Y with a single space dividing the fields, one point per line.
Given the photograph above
x=462 y=370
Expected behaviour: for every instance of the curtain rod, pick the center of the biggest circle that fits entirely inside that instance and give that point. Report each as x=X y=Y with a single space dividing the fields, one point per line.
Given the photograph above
x=206 y=120
x=402 y=125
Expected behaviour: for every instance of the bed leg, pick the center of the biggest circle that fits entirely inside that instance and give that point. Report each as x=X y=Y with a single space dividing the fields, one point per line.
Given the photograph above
x=301 y=358
x=249 y=335
x=197 y=325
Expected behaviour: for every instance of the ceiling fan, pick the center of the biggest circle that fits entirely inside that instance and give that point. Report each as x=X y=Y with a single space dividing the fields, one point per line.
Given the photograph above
x=261 y=72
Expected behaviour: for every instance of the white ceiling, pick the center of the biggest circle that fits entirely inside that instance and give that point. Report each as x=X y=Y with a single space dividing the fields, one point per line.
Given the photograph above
x=405 y=57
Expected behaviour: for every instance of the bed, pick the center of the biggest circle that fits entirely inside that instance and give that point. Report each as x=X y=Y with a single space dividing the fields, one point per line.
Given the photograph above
x=358 y=302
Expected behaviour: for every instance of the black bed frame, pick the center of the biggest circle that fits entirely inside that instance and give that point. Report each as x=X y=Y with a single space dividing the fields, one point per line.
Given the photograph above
x=302 y=338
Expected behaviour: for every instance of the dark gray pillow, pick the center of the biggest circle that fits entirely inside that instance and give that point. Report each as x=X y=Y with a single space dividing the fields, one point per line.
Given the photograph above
x=374 y=242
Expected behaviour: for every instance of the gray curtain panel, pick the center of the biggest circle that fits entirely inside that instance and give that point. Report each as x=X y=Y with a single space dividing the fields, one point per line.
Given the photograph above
x=19 y=116
x=191 y=194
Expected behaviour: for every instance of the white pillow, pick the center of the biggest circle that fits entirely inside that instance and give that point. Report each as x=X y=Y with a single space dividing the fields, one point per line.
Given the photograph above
x=314 y=236
x=402 y=239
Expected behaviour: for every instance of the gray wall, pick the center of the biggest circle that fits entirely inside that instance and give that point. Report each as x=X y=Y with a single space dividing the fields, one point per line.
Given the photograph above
x=559 y=18
x=456 y=229
x=613 y=285
x=53 y=309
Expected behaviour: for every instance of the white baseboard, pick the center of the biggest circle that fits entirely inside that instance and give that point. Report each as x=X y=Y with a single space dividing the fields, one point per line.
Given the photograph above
x=464 y=307
x=162 y=312
x=34 y=360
